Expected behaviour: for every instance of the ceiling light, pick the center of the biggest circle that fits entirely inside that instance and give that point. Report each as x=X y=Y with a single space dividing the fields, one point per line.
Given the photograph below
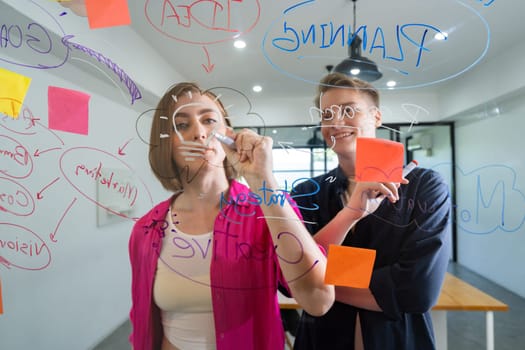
x=357 y=65
x=441 y=36
x=391 y=83
x=257 y=88
x=240 y=44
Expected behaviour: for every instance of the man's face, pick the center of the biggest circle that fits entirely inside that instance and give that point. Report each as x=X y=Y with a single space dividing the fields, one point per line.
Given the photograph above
x=345 y=115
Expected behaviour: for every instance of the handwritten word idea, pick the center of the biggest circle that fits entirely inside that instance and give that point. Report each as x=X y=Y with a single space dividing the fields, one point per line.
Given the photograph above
x=203 y=22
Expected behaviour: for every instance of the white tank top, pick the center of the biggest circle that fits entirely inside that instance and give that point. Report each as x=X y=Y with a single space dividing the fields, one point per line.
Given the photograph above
x=182 y=289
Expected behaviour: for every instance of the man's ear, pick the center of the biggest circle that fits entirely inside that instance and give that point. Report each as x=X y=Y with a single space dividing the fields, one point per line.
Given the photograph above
x=377 y=116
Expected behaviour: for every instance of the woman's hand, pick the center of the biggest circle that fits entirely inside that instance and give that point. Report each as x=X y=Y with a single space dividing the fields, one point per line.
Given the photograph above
x=253 y=155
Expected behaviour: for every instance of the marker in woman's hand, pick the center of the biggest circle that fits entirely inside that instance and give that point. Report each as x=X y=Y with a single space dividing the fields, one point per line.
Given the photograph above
x=228 y=141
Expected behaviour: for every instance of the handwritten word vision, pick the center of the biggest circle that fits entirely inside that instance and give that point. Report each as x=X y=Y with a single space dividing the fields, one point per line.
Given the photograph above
x=22 y=248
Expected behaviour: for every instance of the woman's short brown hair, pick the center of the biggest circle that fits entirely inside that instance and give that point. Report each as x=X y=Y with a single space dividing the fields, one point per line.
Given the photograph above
x=160 y=148
x=338 y=80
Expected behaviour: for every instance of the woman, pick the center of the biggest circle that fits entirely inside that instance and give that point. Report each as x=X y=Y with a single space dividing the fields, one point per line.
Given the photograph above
x=206 y=263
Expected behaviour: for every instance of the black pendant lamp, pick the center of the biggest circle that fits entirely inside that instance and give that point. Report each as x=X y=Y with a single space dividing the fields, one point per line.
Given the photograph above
x=356 y=65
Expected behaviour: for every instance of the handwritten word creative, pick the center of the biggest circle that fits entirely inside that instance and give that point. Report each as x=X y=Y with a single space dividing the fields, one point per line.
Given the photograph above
x=202 y=22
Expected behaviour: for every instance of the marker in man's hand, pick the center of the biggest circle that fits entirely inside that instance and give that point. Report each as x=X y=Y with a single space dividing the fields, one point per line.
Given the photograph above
x=409 y=167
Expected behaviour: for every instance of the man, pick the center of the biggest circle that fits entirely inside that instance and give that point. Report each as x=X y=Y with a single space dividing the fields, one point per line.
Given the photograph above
x=406 y=223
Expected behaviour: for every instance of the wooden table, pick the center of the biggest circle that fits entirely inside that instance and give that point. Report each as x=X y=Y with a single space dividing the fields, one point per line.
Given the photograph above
x=456 y=295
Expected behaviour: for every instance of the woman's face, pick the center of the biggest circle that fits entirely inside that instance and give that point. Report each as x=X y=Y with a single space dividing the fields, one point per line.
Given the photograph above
x=194 y=119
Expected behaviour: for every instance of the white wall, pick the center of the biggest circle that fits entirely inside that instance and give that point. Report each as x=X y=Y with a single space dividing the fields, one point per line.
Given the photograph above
x=84 y=291
x=76 y=290
x=491 y=196
x=489 y=166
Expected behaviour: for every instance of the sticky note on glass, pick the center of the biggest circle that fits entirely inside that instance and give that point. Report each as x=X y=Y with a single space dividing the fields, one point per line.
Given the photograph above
x=13 y=89
x=107 y=13
x=68 y=110
x=349 y=266
x=378 y=160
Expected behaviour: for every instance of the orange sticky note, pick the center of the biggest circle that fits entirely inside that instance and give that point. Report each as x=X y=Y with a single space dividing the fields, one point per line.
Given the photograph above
x=378 y=160
x=68 y=110
x=107 y=13
x=13 y=89
x=349 y=266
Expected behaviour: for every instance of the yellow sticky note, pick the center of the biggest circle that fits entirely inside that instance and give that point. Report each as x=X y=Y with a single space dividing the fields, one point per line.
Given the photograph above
x=349 y=266
x=13 y=89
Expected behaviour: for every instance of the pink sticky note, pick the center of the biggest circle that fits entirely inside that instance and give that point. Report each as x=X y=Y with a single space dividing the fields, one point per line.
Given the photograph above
x=68 y=110
x=378 y=160
x=107 y=13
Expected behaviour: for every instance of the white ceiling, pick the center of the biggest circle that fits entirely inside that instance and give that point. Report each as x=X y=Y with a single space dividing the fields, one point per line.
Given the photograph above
x=201 y=48
x=288 y=67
